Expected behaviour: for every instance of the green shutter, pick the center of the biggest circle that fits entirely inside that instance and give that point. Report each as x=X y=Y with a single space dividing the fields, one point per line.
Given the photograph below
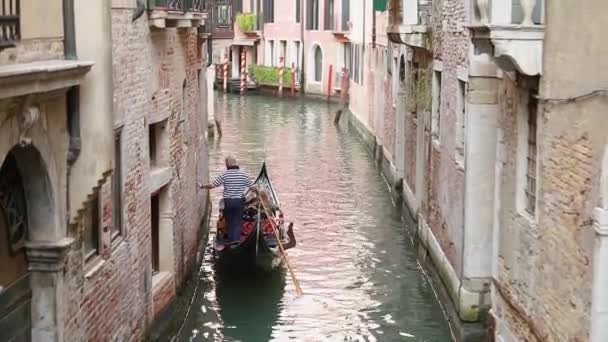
x=380 y=5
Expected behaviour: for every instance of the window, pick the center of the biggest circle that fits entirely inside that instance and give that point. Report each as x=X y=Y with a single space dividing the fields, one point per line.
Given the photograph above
x=345 y=14
x=297 y=55
x=117 y=185
x=283 y=50
x=436 y=116
x=268 y=11
x=348 y=57
x=318 y=64
x=271 y=53
x=329 y=15
x=460 y=123
x=531 y=158
x=238 y=6
x=298 y=9
x=161 y=229
x=152 y=145
x=91 y=228
x=9 y=23
x=223 y=15
x=155 y=212
x=312 y=15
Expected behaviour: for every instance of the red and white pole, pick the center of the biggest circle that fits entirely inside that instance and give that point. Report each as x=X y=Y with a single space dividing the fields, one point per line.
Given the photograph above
x=293 y=79
x=243 y=70
x=281 y=72
x=329 y=82
x=225 y=72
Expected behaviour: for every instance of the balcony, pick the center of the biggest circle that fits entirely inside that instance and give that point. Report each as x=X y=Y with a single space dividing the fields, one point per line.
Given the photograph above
x=409 y=23
x=177 y=13
x=9 y=24
x=516 y=31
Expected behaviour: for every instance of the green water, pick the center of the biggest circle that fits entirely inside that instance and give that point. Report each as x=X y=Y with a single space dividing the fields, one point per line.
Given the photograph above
x=354 y=259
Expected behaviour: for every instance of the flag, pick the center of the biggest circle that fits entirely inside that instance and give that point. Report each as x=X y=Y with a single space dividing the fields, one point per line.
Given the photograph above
x=380 y=5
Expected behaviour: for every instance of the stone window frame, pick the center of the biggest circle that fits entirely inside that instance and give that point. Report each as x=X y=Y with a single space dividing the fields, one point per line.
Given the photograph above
x=527 y=175
x=461 y=123
x=162 y=255
x=92 y=221
x=318 y=63
x=436 y=102
x=158 y=144
x=117 y=187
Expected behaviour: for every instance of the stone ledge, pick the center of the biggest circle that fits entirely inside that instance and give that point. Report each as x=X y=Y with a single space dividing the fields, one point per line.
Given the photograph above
x=159 y=177
x=41 y=77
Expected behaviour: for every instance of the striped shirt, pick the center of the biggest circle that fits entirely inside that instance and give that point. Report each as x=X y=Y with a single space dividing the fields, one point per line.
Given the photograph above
x=235 y=183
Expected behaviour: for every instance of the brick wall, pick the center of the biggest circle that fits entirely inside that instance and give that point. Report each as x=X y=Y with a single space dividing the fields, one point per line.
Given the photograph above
x=450 y=42
x=112 y=297
x=545 y=262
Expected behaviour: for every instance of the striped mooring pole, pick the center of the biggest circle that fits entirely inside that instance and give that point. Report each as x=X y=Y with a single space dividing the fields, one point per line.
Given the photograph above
x=281 y=72
x=293 y=79
x=243 y=71
x=329 y=76
x=225 y=72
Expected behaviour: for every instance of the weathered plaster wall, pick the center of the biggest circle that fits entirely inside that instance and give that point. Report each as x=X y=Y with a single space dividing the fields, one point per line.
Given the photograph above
x=93 y=42
x=546 y=262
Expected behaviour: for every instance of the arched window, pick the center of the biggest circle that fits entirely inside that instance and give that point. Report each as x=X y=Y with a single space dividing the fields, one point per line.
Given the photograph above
x=318 y=64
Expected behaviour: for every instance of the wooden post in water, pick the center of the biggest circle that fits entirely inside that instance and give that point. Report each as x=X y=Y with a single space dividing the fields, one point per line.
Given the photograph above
x=293 y=79
x=329 y=82
x=225 y=72
x=243 y=71
x=281 y=73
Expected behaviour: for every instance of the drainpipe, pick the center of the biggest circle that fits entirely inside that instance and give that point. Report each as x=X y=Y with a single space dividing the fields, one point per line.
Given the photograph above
x=72 y=97
x=303 y=68
x=373 y=27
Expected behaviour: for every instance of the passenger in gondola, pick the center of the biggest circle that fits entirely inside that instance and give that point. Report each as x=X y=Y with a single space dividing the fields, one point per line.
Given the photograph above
x=236 y=183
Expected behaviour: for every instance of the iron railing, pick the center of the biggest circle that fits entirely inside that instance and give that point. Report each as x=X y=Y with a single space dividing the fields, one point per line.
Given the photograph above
x=179 y=5
x=9 y=23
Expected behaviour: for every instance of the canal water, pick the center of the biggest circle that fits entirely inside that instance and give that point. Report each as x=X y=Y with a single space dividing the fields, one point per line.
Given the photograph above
x=355 y=261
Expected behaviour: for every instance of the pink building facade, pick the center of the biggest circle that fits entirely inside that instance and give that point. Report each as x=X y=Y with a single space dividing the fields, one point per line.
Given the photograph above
x=310 y=35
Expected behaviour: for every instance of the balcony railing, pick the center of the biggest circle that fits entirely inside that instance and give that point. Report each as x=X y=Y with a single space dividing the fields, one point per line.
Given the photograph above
x=178 y=5
x=9 y=23
x=516 y=30
x=510 y=12
x=408 y=22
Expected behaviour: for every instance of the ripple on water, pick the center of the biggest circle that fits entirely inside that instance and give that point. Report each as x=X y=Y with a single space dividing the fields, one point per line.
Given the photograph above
x=354 y=259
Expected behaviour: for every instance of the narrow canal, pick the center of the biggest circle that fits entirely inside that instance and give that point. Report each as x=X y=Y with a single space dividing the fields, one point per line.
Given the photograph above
x=354 y=259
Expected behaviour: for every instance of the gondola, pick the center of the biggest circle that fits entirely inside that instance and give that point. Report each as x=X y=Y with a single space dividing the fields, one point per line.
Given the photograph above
x=257 y=249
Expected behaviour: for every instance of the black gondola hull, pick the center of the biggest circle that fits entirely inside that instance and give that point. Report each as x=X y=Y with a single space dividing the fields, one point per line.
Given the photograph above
x=254 y=253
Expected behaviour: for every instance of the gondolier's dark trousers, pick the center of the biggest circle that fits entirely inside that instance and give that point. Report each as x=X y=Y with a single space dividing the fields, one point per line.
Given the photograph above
x=233 y=211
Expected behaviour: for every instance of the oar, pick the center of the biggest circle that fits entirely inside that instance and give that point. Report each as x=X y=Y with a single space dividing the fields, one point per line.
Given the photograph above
x=276 y=234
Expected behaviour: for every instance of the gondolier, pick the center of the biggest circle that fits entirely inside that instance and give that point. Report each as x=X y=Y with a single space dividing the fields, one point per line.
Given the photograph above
x=235 y=183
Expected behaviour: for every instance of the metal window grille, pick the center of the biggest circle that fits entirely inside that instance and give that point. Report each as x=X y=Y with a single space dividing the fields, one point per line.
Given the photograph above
x=530 y=189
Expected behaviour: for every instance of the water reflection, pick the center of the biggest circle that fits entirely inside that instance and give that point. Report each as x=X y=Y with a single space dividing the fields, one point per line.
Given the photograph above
x=249 y=304
x=354 y=260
